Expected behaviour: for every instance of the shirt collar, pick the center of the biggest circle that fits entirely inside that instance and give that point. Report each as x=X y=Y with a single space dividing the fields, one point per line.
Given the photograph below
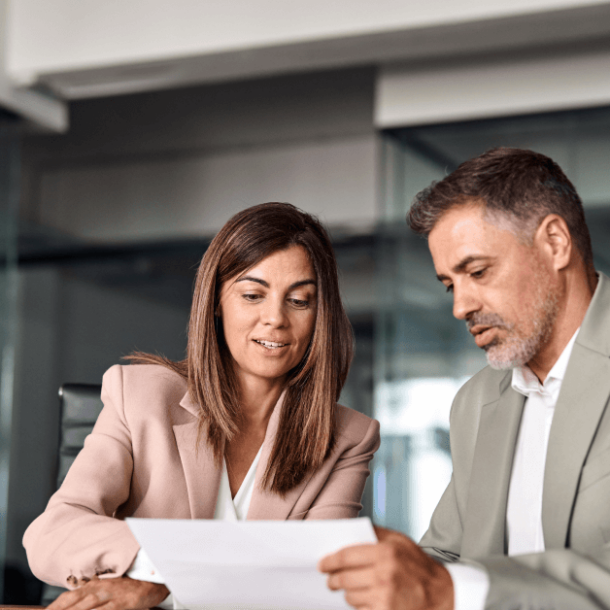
x=525 y=381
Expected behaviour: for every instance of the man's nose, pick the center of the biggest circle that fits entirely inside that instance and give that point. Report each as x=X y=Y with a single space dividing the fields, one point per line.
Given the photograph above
x=465 y=303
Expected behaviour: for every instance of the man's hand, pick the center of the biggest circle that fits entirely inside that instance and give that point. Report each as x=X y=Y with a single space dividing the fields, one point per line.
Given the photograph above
x=112 y=594
x=394 y=574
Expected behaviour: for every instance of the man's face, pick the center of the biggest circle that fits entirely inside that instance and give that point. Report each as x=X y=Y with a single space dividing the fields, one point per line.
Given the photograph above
x=503 y=289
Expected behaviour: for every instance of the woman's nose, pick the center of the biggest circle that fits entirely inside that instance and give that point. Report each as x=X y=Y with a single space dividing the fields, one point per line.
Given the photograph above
x=273 y=312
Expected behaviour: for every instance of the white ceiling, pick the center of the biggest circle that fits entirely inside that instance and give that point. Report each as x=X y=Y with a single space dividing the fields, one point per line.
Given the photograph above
x=87 y=48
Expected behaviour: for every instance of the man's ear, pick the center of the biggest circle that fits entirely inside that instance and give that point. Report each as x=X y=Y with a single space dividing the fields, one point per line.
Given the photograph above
x=554 y=238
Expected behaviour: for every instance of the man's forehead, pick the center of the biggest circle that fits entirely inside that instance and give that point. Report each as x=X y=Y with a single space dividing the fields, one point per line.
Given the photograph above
x=471 y=211
x=464 y=236
x=456 y=228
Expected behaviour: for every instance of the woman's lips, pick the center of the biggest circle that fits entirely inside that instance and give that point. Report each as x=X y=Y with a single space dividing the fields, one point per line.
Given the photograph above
x=271 y=345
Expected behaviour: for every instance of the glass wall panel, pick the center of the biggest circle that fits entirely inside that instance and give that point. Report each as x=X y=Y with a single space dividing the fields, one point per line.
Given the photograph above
x=9 y=202
x=422 y=357
x=422 y=354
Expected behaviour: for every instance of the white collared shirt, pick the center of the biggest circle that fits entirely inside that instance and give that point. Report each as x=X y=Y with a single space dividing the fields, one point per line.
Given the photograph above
x=227 y=509
x=524 y=508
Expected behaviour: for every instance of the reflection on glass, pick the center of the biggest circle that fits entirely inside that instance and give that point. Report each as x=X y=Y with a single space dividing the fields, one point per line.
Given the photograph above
x=422 y=354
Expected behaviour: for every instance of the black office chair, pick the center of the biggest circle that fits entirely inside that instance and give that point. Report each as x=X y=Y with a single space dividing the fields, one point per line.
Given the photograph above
x=80 y=404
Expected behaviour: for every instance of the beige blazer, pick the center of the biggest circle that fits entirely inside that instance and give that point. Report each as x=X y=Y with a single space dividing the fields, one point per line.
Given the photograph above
x=141 y=460
x=470 y=519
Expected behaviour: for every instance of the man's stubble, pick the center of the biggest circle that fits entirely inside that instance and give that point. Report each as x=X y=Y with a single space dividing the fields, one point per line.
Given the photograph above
x=518 y=348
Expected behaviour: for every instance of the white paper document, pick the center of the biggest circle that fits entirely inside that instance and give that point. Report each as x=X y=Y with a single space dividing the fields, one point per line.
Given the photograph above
x=248 y=565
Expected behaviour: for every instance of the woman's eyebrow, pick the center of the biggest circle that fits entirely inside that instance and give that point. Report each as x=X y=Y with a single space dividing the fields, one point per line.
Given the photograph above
x=303 y=283
x=249 y=278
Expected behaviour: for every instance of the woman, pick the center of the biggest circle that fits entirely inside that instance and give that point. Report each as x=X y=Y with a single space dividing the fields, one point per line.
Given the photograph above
x=246 y=425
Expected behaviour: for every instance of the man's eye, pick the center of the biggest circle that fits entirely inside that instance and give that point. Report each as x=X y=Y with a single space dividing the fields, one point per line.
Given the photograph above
x=478 y=274
x=449 y=288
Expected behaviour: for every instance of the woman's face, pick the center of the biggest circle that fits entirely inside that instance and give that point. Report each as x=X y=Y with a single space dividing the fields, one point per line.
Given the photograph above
x=268 y=315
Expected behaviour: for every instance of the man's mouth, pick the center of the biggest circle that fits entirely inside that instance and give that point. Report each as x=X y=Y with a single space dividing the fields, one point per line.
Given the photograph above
x=484 y=328
x=270 y=344
x=484 y=336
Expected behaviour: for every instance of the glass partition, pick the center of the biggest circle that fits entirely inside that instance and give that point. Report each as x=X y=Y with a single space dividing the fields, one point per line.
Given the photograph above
x=9 y=202
x=422 y=354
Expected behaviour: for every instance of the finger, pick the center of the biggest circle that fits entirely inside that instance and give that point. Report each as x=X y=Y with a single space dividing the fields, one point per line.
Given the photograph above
x=348 y=557
x=356 y=578
x=381 y=532
x=84 y=601
x=70 y=598
x=97 y=599
x=392 y=536
x=67 y=599
x=360 y=598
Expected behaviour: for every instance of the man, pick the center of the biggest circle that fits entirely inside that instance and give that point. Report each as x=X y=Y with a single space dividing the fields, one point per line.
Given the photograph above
x=525 y=520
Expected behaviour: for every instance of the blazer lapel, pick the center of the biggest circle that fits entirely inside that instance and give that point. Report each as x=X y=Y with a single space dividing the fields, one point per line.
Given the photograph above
x=485 y=520
x=584 y=394
x=265 y=505
x=200 y=470
x=582 y=400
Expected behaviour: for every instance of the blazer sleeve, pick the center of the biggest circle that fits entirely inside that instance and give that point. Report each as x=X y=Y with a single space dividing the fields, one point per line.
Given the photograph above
x=77 y=535
x=340 y=496
x=444 y=535
x=561 y=579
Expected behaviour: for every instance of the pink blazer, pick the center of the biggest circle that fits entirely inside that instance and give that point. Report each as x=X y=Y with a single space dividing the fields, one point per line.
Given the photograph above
x=141 y=460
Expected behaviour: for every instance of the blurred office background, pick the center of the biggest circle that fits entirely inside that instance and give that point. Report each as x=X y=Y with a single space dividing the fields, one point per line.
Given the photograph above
x=131 y=131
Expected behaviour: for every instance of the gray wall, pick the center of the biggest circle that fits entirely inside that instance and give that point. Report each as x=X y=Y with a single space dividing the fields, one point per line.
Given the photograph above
x=179 y=163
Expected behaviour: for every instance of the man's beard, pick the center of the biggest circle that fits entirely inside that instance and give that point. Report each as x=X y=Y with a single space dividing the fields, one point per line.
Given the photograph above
x=517 y=349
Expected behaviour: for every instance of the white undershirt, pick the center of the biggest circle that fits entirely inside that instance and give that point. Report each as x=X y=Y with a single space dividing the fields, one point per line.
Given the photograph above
x=524 y=507
x=227 y=509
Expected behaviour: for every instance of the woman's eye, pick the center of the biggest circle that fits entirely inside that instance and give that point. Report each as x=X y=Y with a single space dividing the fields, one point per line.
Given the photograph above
x=300 y=303
x=251 y=298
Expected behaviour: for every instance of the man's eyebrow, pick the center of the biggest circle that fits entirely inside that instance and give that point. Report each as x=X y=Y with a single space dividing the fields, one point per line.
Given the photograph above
x=459 y=268
x=249 y=278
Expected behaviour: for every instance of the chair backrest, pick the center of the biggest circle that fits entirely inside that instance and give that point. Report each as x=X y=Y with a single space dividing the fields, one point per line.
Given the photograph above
x=80 y=404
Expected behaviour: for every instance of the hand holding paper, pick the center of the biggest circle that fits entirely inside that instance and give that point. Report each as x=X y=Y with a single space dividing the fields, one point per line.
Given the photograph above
x=251 y=564
x=396 y=574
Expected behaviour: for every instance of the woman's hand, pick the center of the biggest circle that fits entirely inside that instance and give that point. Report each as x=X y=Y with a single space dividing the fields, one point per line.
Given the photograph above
x=112 y=594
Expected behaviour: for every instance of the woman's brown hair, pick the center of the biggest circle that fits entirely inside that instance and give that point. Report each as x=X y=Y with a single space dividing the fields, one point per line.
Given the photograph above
x=307 y=430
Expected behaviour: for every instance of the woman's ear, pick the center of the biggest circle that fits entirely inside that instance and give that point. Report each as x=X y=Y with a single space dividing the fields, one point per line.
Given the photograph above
x=553 y=236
